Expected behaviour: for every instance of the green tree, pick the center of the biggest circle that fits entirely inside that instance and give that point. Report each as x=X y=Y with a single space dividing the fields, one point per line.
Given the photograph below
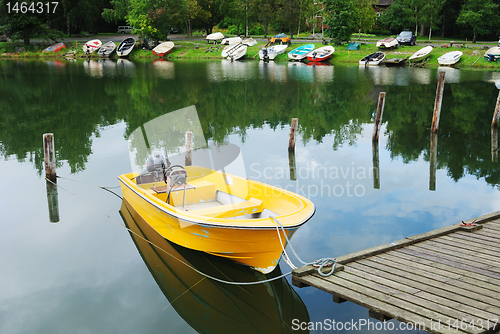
x=340 y=18
x=431 y=14
x=396 y=17
x=480 y=15
x=365 y=15
x=265 y=11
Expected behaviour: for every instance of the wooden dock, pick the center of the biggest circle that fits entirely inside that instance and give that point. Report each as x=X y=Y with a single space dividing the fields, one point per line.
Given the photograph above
x=444 y=281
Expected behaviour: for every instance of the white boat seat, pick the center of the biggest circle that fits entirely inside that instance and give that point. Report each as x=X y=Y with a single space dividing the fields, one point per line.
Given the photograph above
x=251 y=206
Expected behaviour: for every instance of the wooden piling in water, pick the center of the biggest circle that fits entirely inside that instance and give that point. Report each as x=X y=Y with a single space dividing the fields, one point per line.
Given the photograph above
x=378 y=117
x=52 y=201
x=376 y=165
x=189 y=148
x=49 y=157
x=496 y=114
x=494 y=144
x=293 y=132
x=438 y=102
x=291 y=165
x=433 y=162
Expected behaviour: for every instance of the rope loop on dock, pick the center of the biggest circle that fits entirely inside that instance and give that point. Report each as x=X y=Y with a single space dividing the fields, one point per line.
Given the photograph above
x=321 y=263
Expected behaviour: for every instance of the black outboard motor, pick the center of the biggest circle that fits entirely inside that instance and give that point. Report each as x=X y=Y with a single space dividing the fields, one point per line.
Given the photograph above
x=154 y=162
x=264 y=52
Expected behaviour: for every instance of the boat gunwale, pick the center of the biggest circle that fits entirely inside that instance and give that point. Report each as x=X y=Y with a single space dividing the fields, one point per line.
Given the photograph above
x=205 y=223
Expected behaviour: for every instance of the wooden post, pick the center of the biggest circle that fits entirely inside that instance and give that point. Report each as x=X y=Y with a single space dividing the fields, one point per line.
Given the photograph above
x=438 y=102
x=494 y=144
x=496 y=115
x=433 y=162
x=49 y=157
x=291 y=165
x=378 y=117
x=293 y=131
x=375 y=158
x=52 y=201
x=189 y=147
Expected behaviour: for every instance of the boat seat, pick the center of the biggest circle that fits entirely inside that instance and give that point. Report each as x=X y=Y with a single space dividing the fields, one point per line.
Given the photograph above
x=251 y=206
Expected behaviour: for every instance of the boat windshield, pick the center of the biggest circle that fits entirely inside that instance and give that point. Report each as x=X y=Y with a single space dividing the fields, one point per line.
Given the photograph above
x=176 y=139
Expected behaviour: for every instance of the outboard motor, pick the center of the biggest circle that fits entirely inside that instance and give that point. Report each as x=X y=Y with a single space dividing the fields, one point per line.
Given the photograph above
x=264 y=52
x=154 y=162
x=498 y=41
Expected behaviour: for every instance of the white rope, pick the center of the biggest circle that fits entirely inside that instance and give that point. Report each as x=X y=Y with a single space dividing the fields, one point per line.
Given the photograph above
x=321 y=263
x=171 y=255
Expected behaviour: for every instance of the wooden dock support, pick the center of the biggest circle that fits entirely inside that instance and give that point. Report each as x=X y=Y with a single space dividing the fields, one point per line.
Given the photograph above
x=189 y=148
x=291 y=165
x=376 y=165
x=433 y=162
x=438 y=102
x=494 y=144
x=52 y=201
x=378 y=116
x=293 y=132
x=49 y=157
x=496 y=114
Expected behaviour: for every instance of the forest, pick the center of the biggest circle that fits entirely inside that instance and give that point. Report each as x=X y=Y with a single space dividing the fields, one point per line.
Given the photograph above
x=338 y=19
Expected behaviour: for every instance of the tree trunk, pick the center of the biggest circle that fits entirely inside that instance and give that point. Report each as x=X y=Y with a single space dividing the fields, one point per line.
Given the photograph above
x=474 y=38
x=68 y=24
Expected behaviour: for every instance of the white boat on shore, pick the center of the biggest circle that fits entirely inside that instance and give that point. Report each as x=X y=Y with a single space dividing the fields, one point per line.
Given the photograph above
x=450 y=58
x=231 y=40
x=372 y=59
x=107 y=49
x=237 y=52
x=249 y=41
x=420 y=54
x=272 y=51
x=492 y=54
x=216 y=36
x=386 y=43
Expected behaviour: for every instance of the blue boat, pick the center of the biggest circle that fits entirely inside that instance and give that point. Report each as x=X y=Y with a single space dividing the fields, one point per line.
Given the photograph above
x=301 y=52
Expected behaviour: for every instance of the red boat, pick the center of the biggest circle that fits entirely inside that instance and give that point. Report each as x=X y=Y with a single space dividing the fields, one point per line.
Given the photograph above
x=55 y=47
x=163 y=49
x=321 y=54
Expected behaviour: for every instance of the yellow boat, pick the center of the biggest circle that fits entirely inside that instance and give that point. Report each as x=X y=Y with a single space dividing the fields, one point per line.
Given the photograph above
x=217 y=213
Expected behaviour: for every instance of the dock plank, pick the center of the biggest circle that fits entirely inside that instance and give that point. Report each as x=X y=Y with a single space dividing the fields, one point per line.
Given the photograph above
x=447 y=276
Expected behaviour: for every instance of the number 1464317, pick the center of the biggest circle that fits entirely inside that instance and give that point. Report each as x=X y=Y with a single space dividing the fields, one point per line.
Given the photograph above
x=32 y=7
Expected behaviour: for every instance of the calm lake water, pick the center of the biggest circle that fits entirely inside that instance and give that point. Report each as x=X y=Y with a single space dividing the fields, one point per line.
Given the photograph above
x=86 y=274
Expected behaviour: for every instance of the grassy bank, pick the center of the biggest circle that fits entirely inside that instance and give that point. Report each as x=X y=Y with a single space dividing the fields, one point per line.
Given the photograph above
x=472 y=57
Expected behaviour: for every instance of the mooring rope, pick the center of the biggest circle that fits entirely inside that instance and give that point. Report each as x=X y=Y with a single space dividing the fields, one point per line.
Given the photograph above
x=161 y=249
x=321 y=263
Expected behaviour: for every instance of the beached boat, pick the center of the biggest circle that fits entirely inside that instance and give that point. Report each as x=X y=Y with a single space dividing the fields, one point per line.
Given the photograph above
x=492 y=54
x=204 y=207
x=237 y=52
x=268 y=307
x=231 y=40
x=300 y=52
x=450 y=58
x=228 y=48
x=92 y=46
x=272 y=51
x=394 y=61
x=55 y=48
x=420 y=54
x=321 y=54
x=107 y=49
x=163 y=49
x=125 y=47
x=387 y=43
x=373 y=59
x=281 y=39
x=249 y=41
x=216 y=36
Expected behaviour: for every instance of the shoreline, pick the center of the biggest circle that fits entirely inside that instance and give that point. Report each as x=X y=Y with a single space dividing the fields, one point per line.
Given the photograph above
x=200 y=50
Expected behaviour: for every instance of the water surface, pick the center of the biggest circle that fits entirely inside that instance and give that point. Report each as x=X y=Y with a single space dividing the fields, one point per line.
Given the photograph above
x=85 y=274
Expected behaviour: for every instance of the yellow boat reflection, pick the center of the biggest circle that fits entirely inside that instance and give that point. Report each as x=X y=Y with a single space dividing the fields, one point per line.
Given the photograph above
x=210 y=306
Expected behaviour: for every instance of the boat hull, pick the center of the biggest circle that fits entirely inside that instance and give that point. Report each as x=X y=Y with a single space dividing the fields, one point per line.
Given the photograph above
x=272 y=52
x=373 y=59
x=322 y=54
x=163 y=49
x=92 y=46
x=450 y=58
x=125 y=47
x=387 y=43
x=421 y=54
x=55 y=48
x=253 y=242
x=301 y=52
